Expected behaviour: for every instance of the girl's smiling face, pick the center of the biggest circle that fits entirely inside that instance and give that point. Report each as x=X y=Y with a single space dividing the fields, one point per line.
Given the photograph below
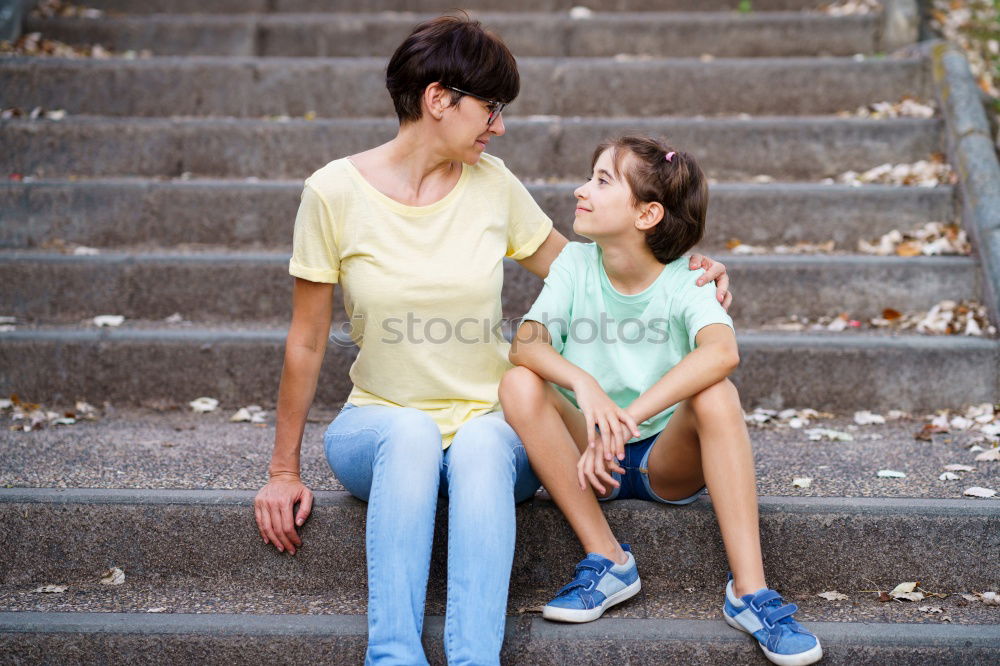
x=604 y=204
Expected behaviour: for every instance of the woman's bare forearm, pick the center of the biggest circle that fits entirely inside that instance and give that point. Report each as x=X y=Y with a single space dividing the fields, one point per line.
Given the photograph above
x=299 y=377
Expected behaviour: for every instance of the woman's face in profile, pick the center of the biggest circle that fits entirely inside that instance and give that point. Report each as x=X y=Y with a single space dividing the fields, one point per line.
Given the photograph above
x=466 y=127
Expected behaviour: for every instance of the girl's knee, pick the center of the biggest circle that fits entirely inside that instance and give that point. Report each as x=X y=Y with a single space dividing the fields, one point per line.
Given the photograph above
x=520 y=388
x=717 y=400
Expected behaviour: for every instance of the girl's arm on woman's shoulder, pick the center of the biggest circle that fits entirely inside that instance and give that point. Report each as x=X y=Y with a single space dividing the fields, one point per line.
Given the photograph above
x=539 y=262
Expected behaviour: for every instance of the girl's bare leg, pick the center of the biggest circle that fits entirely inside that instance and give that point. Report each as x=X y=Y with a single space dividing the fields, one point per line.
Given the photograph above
x=706 y=443
x=554 y=434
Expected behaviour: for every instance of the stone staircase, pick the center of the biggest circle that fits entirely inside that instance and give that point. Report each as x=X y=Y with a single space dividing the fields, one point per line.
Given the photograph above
x=184 y=169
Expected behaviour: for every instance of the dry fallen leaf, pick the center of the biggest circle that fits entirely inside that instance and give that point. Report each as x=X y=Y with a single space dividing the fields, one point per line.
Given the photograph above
x=959 y=468
x=816 y=434
x=949 y=476
x=51 y=589
x=204 y=404
x=108 y=320
x=990 y=598
x=250 y=413
x=906 y=592
x=868 y=418
x=891 y=474
x=801 y=482
x=990 y=455
x=930 y=609
x=832 y=595
x=978 y=491
x=113 y=576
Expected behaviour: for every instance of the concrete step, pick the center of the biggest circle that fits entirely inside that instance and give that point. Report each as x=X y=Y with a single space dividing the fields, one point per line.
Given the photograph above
x=108 y=213
x=234 y=86
x=130 y=638
x=240 y=362
x=168 y=446
x=812 y=148
x=672 y=34
x=237 y=285
x=809 y=545
x=265 y=6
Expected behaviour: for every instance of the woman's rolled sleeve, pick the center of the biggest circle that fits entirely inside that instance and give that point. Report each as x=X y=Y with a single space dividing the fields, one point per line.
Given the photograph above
x=315 y=256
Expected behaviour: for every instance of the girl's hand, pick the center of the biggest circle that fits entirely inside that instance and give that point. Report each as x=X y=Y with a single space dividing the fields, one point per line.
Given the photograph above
x=616 y=426
x=593 y=469
x=714 y=271
x=273 y=507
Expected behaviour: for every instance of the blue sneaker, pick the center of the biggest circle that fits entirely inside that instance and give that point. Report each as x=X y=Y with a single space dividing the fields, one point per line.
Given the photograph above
x=765 y=616
x=598 y=584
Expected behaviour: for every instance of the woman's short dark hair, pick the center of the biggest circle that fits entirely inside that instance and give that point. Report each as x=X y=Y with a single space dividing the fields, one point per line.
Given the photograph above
x=678 y=185
x=456 y=51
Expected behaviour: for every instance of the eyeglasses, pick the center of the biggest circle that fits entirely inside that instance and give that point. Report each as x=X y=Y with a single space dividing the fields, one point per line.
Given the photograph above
x=495 y=108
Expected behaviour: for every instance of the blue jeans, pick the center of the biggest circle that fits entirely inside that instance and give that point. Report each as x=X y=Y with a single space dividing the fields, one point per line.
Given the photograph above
x=391 y=457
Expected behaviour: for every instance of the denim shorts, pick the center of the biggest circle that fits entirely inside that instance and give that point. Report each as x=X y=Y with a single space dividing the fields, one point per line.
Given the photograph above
x=635 y=483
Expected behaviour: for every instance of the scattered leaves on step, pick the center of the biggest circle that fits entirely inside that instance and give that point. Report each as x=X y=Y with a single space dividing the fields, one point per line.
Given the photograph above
x=113 y=576
x=581 y=13
x=736 y=246
x=851 y=7
x=973 y=26
x=204 y=404
x=945 y=318
x=948 y=476
x=930 y=609
x=906 y=107
x=791 y=418
x=51 y=589
x=251 y=414
x=960 y=468
x=32 y=416
x=35 y=113
x=990 y=598
x=51 y=8
x=868 y=418
x=802 y=482
x=923 y=173
x=907 y=592
x=158 y=609
x=108 y=320
x=934 y=238
x=978 y=491
x=833 y=595
x=816 y=434
x=33 y=44
x=890 y=474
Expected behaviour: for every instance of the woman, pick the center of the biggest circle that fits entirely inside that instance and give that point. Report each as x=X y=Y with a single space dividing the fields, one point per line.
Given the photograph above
x=415 y=231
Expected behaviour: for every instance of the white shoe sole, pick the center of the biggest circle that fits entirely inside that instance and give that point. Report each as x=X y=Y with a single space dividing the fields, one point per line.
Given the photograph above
x=810 y=656
x=591 y=614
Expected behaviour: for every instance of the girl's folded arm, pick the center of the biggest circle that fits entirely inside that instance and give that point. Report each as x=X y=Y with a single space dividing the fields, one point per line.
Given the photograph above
x=715 y=356
x=532 y=348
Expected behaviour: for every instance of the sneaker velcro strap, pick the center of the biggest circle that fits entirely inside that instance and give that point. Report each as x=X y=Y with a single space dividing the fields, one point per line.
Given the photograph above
x=763 y=598
x=779 y=614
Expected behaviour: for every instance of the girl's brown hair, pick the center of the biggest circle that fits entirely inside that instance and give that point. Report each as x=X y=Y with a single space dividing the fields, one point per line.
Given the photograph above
x=679 y=185
x=455 y=51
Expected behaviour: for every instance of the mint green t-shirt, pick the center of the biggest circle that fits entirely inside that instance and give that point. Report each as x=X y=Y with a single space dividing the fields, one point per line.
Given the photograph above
x=627 y=342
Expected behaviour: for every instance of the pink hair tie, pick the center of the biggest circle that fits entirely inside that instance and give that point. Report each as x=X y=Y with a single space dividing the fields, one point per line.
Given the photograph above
x=670 y=156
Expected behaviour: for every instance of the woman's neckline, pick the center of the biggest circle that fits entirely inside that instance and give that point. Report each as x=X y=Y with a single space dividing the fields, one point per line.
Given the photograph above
x=408 y=209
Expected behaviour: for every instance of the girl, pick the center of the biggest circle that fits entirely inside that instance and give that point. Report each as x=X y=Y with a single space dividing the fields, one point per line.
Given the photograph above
x=636 y=353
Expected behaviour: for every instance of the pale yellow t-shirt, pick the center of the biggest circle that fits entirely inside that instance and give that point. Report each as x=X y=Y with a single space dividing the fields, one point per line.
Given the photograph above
x=421 y=284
